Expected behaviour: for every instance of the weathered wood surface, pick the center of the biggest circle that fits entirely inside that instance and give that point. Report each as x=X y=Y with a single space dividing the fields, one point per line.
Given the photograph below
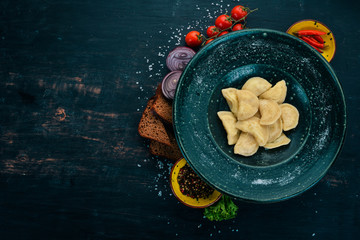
x=75 y=76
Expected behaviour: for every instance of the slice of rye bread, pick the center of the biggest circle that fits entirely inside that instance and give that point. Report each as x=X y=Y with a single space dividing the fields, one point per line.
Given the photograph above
x=171 y=152
x=162 y=106
x=151 y=126
x=162 y=150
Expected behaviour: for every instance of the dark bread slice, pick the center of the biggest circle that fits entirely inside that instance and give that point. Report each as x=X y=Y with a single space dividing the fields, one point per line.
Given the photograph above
x=162 y=150
x=170 y=152
x=162 y=106
x=151 y=127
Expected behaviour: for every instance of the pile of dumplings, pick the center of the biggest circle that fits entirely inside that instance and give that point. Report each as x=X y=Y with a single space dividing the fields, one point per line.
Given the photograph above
x=258 y=116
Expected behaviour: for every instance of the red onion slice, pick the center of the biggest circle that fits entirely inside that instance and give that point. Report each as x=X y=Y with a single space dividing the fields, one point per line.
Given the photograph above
x=178 y=58
x=169 y=83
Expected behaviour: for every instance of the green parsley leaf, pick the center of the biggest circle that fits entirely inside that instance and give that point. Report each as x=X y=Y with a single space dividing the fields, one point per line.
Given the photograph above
x=225 y=209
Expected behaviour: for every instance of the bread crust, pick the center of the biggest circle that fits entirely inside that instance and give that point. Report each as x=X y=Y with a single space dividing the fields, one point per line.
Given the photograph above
x=151 y=126
x=162 y=106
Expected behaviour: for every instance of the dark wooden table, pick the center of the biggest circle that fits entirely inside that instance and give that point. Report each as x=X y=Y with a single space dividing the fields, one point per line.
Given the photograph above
x=75 y=77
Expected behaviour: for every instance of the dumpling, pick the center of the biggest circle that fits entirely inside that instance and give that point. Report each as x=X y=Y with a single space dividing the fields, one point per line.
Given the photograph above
x=269 y=110
x=289 y=116
x=275 y=130
x=257 y=114
x=256 y=85
x=230 y=95
x=228 y=120
x=280 y=141
x=248 y=104
x=246 y=145
x=276 y=93
x=252 y=126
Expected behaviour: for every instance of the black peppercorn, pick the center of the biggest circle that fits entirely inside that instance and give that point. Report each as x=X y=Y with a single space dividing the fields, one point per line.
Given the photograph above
x=191 y=184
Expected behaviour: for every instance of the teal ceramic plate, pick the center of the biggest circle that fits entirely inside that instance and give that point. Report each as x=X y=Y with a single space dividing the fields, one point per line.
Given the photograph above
x=269 y=175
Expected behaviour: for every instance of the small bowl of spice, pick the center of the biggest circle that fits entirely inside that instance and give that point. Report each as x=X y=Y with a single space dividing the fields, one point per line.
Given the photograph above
x=189 y=188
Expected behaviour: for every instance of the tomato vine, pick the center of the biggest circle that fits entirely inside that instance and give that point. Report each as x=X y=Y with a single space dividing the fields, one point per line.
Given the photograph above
x=223 y=25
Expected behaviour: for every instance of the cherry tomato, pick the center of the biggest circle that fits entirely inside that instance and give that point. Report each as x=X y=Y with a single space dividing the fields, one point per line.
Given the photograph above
x=238 y=12
x=237 y=27
x=193 y=39
x=223 y=21
x=212 y=31
x=209 y=41
x=223 y=33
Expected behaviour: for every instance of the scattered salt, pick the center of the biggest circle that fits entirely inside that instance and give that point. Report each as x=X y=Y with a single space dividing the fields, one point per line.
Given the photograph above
x=262 y=181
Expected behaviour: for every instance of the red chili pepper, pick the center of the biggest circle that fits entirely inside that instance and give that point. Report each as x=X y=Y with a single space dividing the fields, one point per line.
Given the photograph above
x=312 y=42
x=318 y=38
x=310 y=32
x=320 y=51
